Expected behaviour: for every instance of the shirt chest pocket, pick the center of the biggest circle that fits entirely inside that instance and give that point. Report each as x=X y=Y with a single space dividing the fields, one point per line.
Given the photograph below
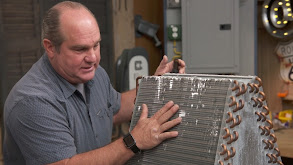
x=102 y=124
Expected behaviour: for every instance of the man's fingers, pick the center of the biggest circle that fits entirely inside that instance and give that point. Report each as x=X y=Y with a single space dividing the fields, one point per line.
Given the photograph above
x=144 y=112
x=164 y=109
x=170 y=124
x=168 y=114
x=167 y=135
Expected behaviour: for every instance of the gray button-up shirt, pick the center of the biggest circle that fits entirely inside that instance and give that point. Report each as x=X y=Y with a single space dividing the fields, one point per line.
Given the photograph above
x=46 y=119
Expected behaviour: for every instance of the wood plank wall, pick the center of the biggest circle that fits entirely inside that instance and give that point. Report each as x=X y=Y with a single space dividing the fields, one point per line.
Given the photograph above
x=153 y=12
x=268 y=66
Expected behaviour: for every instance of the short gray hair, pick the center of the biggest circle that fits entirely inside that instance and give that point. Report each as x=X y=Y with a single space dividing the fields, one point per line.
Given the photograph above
x=51 y=22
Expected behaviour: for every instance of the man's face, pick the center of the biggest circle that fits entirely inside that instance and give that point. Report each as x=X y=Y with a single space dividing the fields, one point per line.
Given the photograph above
x=79 y=54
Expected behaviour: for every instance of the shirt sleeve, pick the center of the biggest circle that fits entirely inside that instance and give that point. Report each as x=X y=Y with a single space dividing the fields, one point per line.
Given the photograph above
x=41 y=130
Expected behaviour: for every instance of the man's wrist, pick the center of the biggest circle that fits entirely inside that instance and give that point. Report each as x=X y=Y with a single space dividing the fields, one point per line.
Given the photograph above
x=130 y=143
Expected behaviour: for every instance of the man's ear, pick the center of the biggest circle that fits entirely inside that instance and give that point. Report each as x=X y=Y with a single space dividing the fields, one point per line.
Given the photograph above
x=49 y=48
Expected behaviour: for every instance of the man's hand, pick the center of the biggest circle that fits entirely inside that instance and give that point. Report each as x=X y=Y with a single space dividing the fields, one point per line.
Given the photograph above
x=150 y=132
x=166 y=67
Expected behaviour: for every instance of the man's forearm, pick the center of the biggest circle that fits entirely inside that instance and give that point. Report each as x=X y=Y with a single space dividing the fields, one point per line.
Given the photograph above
x=127 y=105
x=113 y=154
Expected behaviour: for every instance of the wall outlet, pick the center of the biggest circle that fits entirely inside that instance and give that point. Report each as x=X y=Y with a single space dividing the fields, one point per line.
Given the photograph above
x=174 y=32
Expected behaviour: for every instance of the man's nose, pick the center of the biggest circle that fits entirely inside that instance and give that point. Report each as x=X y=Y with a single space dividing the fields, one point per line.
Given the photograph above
x=91 y=56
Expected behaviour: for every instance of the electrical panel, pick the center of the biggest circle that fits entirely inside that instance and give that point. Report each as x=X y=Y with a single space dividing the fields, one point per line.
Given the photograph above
x=210 y=36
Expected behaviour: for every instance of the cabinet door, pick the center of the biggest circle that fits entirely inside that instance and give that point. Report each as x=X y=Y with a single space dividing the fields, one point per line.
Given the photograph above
x=210 y=36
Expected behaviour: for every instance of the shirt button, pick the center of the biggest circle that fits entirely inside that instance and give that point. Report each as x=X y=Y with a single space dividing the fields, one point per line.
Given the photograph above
x=96 y=136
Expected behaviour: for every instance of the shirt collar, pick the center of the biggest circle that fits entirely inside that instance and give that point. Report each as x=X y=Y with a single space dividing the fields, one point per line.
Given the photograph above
x=67 y=88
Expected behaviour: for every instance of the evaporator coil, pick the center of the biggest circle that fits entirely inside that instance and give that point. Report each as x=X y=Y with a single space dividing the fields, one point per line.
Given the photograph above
x=225 y=120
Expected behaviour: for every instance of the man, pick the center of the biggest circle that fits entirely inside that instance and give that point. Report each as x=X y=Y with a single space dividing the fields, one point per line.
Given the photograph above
x=62 y=110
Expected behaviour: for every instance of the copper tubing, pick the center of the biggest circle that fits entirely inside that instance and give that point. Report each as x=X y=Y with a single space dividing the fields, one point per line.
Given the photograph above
x=233 y=101
x=238 y=120
x=227 y=133
x=256 y=88
x=236 y=135
x=220 y=162
x=239 y=107
x=262 y=129
x=280 y=163
x=259 y=81
x=236 y=85
x=278 y=151
x=224 y=149
x=235 y=122
x=264 y=118
x=271 y=158
x=267 y=144
x=260 y=102
x=274 y=137
x=271 y=144
x=275 y=158
x=268 y=130
x=255 y=101
x=233 y=139
x=233 y=152
x=270 y=123
x=230 y=117
x=259 y=116
x=266 y=109
x=251 y=87
x=228 y=155
x=242 y=90
x=263 y=98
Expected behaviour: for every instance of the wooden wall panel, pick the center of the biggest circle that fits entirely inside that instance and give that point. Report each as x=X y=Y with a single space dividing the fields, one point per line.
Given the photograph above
x=268 y=66
x=151 y=11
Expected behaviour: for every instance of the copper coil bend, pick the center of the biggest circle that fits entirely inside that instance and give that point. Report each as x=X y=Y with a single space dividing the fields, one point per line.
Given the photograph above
x=262 y=129
x=242 y=90
x=234 y=123
x=280 y=163
x=220 y=162
x=273 y=137
x=241 y=102
x=227 y=133
x=271 y=144
x=224 y=149
x=260 y=103
x=236 y=135
x=259 y=81
x=270 y=123
x=263 y=96
x=228 y=155
x=251 y=87
x=275 y=158
x=255 y=102
x=233 y=101
x=259 y=116
x=230 y=117
x=264 y=118
x=268 y=130
x=256 y=88
x=238 y=120
x=271 y=158
x=278 y=151
x=231 y=139
x=233 y=152
x=266 y=109
x=267 y=144
x=236 y=85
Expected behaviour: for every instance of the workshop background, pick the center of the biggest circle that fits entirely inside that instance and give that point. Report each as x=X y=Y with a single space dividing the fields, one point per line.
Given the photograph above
x=211 y=36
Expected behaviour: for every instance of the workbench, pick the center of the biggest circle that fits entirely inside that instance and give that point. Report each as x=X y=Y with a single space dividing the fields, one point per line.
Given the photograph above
x=285 y=142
